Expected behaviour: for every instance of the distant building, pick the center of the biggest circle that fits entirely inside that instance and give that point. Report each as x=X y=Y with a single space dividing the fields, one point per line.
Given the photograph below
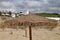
x=18 y=14
x=26 y=13
x=7 y=14
x=13 y=15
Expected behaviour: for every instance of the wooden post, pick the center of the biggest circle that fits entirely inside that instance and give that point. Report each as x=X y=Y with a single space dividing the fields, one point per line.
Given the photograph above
x=30 y=33
x=25 y=32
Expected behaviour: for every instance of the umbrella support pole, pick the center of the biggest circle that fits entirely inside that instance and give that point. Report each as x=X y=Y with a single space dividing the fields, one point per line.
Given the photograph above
x=25 y=32
x=30 y=33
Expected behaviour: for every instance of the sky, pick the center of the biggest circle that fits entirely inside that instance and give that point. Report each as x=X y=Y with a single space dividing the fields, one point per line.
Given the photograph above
x=31 y=5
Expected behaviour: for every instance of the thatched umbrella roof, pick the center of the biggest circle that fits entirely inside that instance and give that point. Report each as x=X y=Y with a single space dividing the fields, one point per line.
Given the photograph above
x=31 y=20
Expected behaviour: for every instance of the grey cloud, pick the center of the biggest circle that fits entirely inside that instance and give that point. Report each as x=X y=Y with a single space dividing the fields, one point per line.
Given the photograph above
x=54 y=3
x=41 y=5
x=6 y=0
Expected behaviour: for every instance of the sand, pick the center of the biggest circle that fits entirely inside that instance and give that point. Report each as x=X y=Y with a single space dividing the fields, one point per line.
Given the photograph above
x=37 y=34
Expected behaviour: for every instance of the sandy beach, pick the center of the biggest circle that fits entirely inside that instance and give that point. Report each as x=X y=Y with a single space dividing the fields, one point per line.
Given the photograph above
x=37 y=34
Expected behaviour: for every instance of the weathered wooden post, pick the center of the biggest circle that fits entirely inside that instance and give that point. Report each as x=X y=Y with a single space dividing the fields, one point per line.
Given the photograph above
x=30 y=33
x=25 y=32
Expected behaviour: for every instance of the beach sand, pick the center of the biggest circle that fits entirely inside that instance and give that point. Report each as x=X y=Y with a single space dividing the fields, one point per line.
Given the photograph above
x=37 y=34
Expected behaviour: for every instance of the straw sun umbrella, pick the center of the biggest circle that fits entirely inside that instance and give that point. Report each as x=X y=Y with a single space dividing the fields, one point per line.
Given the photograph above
x=30 y=20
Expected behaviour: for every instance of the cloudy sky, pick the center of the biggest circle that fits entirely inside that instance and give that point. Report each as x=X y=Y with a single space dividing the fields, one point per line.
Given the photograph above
x=31 y=5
